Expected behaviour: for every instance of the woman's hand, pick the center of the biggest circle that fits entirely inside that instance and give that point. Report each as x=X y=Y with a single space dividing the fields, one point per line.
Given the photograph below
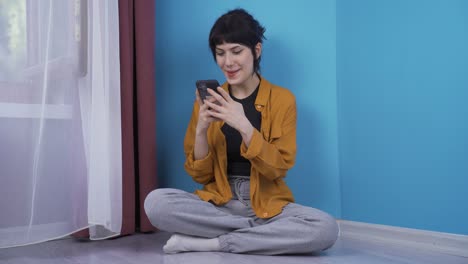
x=204 y=117
x=229 y=111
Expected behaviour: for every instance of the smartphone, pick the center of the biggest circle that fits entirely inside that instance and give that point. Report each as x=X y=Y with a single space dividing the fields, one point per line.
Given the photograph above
x=203 y=85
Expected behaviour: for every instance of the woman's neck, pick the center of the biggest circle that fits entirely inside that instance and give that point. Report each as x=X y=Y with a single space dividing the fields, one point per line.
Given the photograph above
x=246 y=88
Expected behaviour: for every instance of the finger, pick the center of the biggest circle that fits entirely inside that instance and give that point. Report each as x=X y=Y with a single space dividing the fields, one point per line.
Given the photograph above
x=225 y=94
x=218 y=97
x=198 y=98
x=213 y=99
x=213 y=119
x=216 y=119
x=214 y=106
x=215 y=115
x=203 y=107
x=207 y=117
x=210 y=99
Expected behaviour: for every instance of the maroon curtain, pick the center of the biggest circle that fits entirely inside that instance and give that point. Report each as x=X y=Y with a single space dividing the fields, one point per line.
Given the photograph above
x=136 y=29
x=136 y=23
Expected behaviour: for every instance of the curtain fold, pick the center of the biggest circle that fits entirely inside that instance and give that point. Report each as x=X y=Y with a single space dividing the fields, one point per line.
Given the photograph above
x=137 y=84
x=136 y=21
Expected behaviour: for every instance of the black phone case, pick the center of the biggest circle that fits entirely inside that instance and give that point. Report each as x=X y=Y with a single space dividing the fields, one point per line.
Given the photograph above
x=202 y=86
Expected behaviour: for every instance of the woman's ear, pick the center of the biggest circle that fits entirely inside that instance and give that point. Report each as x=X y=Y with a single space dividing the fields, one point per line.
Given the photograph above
x=258 y=50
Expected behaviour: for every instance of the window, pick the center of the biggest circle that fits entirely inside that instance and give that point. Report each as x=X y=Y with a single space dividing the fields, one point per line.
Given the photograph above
x=43 y=51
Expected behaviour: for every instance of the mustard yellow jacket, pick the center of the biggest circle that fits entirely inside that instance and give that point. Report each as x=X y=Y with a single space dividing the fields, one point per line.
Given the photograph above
x=272 y=153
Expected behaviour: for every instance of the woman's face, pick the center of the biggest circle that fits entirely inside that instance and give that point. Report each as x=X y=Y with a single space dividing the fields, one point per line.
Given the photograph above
x=236 y=61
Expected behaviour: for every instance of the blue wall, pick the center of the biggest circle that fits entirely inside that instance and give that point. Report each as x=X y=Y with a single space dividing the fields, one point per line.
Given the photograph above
x=380 y=87
x=299 y=53
x=403 y=112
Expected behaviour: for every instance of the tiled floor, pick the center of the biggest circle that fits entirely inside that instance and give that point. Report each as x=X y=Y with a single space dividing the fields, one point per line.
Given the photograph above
x=147 y=249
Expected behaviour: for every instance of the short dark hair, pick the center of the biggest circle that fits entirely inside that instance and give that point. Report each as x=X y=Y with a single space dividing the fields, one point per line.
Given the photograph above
x=237 y=26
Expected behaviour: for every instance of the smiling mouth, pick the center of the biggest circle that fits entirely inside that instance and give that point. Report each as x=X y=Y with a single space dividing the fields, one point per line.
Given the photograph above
x=231 y=73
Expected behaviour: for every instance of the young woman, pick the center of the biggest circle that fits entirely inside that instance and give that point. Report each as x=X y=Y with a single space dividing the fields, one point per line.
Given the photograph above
x=240 y=144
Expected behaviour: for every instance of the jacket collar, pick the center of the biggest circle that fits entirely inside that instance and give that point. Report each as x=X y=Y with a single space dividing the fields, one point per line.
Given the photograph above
x=263 y=92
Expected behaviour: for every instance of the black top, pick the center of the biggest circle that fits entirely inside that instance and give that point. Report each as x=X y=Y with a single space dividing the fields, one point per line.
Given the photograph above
x=238 y=165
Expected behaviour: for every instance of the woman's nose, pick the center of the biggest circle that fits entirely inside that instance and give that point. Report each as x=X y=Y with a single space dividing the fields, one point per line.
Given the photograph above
x=228 y=60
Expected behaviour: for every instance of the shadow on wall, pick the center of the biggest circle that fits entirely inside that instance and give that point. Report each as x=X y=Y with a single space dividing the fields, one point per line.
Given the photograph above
x=313 y=165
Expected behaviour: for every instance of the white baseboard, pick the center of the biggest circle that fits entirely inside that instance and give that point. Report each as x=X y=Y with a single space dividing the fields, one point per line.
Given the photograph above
x=452 y=244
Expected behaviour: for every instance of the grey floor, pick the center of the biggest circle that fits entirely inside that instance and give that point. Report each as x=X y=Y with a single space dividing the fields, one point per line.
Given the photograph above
x=147 y=248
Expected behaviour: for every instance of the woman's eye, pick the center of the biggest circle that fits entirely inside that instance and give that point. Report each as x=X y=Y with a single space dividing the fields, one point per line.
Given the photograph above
x=219 y=53
x=237 y=52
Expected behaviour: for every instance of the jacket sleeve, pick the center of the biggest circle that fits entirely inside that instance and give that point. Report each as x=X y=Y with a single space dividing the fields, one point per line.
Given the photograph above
x=274 y=157
x=200 y=170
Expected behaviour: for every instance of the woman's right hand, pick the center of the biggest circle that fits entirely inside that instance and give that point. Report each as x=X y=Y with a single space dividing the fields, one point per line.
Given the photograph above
x=204 y=118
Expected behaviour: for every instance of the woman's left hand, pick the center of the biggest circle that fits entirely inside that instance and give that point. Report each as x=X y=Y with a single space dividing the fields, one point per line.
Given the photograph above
x=230 y=111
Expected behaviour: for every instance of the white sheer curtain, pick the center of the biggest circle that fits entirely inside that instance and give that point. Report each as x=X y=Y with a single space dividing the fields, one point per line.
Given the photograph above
x=60 y=131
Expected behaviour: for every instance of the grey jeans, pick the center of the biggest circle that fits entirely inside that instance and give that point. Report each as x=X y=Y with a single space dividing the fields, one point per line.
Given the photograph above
x=298 y=229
